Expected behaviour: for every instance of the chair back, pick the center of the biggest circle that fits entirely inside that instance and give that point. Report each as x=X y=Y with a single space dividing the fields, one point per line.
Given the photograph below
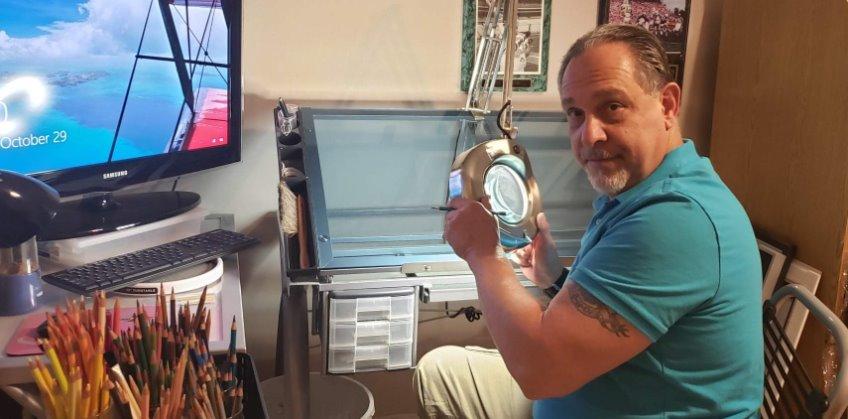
x=789 y=392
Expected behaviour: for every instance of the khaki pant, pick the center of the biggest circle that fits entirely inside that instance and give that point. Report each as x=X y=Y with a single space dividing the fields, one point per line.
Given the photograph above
x=470 y=382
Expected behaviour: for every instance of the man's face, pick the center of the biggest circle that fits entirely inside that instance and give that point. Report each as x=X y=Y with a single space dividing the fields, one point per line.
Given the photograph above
x=619 y=132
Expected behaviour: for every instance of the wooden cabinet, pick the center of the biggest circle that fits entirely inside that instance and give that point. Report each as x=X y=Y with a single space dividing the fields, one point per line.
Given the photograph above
x=780 y=134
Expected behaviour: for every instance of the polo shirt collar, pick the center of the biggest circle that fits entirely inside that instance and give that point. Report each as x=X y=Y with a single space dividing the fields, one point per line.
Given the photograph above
x=672 y=162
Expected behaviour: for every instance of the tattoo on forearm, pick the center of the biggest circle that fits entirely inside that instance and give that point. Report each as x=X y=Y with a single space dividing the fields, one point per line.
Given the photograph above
x=591 y=307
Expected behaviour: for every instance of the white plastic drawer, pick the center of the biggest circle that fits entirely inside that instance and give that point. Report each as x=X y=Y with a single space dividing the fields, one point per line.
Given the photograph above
x=358 y=309
x=372 y=352
x=400 y=356
x=361 y=358
x=344 y=334
x=373 y=332
x=341 y=360
x=403 y=306
x=370 y=358
x=371 y=329
x=343 y=310
x=376 y=308
x=401 y=330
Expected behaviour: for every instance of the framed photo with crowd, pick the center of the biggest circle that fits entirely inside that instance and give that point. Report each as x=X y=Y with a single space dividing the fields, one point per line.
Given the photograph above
x=530 y=62
x=667 y=19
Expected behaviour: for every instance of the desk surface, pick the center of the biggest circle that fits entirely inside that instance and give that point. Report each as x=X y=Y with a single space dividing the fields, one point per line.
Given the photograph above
x=14 y=370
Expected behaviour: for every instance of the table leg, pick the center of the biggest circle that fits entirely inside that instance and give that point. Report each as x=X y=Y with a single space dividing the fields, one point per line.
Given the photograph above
x=293 y=349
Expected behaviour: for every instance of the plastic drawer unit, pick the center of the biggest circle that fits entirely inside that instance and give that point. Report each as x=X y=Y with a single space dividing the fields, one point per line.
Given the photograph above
x=371 y=330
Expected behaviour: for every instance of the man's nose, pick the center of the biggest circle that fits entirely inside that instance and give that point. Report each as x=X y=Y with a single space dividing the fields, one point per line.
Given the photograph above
x=593 y=131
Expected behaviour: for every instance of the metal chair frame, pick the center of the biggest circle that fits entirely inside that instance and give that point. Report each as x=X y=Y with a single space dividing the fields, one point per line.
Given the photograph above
x=788 y=389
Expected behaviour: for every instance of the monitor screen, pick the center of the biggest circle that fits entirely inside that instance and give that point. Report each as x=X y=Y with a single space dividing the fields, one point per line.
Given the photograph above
x=99 y=94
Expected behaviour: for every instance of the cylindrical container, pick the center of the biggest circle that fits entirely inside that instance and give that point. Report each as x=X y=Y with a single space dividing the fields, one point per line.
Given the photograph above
x=20 y=275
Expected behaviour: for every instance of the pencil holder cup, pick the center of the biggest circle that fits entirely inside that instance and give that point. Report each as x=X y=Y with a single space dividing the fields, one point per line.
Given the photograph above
x=20 y=285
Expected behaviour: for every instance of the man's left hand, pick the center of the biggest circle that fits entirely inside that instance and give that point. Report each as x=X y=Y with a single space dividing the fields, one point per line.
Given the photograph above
x=471 y=230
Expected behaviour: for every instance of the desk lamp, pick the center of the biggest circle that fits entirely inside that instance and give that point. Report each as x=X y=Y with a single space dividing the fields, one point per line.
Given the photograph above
x=26 y=207
x=500 y=167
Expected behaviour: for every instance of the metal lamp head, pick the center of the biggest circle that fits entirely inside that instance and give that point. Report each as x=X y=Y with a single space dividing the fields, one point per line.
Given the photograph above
x=26 y=207
x=501 y=170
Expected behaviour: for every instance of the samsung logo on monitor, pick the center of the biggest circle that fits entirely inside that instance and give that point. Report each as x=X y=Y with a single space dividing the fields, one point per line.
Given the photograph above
x=113 y=175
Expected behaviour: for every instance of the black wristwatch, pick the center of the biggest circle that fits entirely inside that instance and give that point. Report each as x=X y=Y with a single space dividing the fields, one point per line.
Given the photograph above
x=558 y=284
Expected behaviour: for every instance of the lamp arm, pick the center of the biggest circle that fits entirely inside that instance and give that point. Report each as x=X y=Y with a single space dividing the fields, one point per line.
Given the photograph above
x=487 y=63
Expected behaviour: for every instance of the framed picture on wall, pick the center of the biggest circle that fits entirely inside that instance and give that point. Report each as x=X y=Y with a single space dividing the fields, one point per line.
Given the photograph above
x=667 y=19
x=775 y=257
x=530 y=64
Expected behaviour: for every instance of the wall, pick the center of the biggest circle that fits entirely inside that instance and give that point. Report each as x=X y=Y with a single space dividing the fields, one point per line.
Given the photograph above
x=379 y=53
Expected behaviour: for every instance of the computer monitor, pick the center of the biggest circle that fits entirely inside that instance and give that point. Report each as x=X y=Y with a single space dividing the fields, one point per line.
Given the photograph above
x=98 y=95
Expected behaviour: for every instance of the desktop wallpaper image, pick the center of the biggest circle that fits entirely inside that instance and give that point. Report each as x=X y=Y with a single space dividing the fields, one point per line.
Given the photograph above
x=68 y=69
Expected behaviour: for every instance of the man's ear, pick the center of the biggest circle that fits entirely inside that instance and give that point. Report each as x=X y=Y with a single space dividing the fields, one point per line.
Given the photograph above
x=670 y=100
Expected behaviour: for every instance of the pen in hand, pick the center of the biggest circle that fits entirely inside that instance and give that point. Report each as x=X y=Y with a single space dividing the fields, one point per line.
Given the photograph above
x=443 y=208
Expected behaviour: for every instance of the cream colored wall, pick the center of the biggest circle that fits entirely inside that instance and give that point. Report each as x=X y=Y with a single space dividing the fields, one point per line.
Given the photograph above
x=407 y=53
x=378 y=53
x=397 y=51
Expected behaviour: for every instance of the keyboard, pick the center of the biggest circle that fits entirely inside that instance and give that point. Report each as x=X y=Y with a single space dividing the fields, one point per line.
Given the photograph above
x=146 y=264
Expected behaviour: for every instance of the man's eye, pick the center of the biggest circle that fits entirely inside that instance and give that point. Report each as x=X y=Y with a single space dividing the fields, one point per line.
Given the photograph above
x=615 y=106
x=573 y=113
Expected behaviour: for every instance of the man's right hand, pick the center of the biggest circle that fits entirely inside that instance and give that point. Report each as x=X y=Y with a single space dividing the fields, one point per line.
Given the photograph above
x=539 y=261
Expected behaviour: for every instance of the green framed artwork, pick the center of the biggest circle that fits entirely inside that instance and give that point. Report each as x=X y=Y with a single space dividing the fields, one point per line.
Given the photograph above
x=530 y=66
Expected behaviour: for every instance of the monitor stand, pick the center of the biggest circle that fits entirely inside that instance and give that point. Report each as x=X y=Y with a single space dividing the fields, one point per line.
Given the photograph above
x=106 y=212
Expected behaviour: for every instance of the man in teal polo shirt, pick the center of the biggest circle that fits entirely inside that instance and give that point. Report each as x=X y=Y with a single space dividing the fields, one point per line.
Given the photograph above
x=659 y=315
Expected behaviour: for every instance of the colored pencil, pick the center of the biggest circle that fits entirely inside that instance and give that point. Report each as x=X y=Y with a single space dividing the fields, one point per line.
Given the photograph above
x=163 y=365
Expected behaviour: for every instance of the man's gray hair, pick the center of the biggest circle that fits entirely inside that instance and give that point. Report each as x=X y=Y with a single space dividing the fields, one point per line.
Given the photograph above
x=646 y=49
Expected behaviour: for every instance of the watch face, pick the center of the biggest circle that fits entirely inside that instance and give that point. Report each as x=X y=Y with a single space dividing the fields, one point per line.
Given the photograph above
x=507 y=193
